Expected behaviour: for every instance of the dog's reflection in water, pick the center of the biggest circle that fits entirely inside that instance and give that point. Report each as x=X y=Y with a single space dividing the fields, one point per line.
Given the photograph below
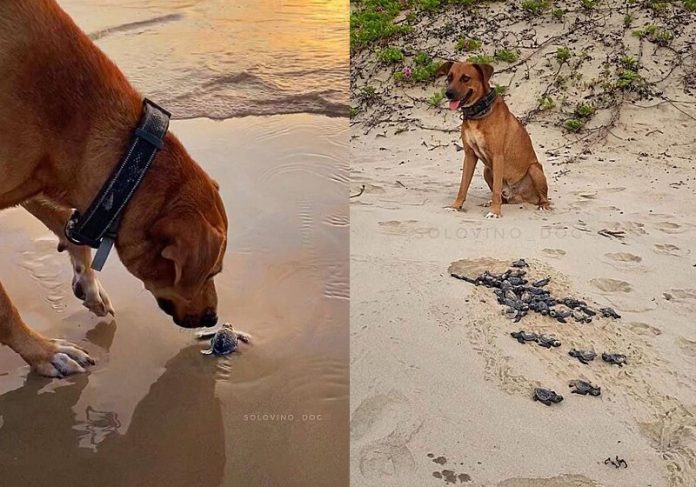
x=175 y=436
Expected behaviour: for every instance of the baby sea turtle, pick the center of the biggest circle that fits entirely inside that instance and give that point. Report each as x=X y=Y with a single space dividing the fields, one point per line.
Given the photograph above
x=584 y=356
x=524 y=336
x=548 y=341
x=520 y=263
x=610 y=313
x=546 y=396
x=541 y=282
x=615 y=358
x=583 y=388
x=223 y=341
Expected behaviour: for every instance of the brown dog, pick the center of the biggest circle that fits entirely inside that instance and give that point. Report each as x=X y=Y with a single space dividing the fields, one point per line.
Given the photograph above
x=66 y=116
x=495 y=136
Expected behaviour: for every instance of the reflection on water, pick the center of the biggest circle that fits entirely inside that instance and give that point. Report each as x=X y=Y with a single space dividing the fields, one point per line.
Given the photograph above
x=223 y=58
x=154 y=411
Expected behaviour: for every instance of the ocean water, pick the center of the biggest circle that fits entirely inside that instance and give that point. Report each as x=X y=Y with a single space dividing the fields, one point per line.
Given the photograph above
x=225 y=58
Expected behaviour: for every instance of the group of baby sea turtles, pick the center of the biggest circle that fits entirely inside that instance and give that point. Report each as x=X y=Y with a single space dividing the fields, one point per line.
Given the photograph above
x=519 y=296
x=223 y=341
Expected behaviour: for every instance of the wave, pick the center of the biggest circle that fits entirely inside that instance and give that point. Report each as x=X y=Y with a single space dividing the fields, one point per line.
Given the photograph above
x=134 y=25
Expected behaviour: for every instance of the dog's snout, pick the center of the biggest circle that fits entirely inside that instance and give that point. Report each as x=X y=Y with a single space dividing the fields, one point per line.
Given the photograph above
x=209 y=318
x=166 y=306
x=450 y=94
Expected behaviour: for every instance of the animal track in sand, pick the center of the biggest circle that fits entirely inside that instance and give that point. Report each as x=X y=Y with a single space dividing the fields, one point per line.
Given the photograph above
x=623 y=257
x=561 y=481
x=669 y=227
x=554 y=252
x=381 y=428
x=611 y=285
x=643 y=328
x=669 y=249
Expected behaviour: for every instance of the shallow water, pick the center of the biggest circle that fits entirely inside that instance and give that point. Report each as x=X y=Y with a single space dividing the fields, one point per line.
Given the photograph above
x=153 y=407
x=222 y=58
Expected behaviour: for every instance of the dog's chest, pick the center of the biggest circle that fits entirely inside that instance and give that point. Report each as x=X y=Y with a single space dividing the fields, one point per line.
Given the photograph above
x=475 y=139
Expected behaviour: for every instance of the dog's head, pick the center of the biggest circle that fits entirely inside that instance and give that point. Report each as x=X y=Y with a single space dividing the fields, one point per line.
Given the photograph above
x=466 y=82
x=183 y=247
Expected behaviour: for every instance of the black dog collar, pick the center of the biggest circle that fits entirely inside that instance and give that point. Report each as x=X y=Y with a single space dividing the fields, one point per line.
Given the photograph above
x=481 y=108
x=98 y=227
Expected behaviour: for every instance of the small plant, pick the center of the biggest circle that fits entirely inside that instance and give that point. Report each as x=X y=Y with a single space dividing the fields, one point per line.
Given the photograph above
x=500 y=89
x=421 y=59
x=535 y=6
x=546 y=103
x=391 y=55
x=480 y=59
x=629 y=62
x=662 y=37
x=429 y=5
x=558 y=13
x=506 y=55
x=399 y=76
x=690 y=4
x=658 y=5
x=573 y=124
x=563 y=54
x=354 y=112
x=627 y=78
x=369 y=91
x=425 y=73
x=584 y=111
x=373 y=21
x=437 y=98
x=589 y=4
x=628 y=20
x=467 y=44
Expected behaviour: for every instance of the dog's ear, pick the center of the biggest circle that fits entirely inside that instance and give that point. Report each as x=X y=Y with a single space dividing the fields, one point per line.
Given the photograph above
x=443 y=69
x=191 y=244
x=486 y=71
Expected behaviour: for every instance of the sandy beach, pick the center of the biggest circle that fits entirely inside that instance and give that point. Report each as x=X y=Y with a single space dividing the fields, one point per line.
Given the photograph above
x=154 y=411
x=440 y=392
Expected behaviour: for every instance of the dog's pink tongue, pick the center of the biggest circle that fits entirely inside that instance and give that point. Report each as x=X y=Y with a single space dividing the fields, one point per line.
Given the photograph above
x=454 y=104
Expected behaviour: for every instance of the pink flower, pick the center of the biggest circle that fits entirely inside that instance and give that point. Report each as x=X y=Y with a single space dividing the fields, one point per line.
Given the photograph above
x=408 y=71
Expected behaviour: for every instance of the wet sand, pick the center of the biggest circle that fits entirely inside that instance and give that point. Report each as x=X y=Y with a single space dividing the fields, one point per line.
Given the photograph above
x=153 y=411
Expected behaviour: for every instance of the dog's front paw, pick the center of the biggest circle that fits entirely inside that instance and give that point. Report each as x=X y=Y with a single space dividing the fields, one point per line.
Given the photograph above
x=63 y=359
x=493 y=215
x=87 y=287
x=546 y=206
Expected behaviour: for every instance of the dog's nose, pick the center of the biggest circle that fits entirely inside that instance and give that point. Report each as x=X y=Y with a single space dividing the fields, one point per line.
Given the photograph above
x=449 y=94
x=209 y=318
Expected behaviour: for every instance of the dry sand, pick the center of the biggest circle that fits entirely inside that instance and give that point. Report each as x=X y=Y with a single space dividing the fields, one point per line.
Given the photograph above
x=440 y=393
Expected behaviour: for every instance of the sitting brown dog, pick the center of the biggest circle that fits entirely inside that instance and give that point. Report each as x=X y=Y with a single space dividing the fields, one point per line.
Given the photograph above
x=494 y=135
x=66 y=117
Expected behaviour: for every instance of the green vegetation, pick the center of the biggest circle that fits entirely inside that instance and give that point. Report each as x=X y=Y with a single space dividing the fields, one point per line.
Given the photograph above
x=627 y=78
x=573 y=124
x=437 y=98
x=480 y=59
x=428 y=5
x=373 y=20
x=506 y=55
x=535 y=6
x=655 y=34
x=563 y=54
x=467 y=44
x=628 y=20
x=368 y=91
x=354 y=112
x=399 y=76
x=630 y=63
x=546 y=103
x=584 y=111
x=589 y=4
x=690 y=4
x=558 y=13
x=658 y=5
x=390 y=55
x=500 y=89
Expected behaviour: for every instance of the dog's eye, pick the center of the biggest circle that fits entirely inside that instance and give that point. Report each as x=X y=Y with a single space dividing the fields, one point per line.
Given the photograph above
x=449 y=77
x=464 y=78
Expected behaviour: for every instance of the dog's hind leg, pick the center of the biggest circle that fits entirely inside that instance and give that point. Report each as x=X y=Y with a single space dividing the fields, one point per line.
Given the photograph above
x=85 y=284
x=52 y=358
x=536 y=172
